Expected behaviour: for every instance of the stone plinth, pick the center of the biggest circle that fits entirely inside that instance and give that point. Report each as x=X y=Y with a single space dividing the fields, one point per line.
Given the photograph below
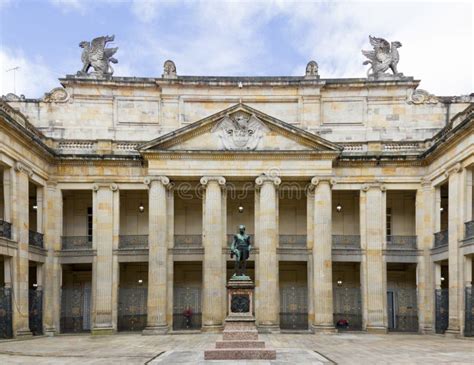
x=240 y=336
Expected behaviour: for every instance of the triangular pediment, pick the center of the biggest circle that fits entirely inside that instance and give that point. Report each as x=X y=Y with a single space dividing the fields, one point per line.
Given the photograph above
x=239 y=128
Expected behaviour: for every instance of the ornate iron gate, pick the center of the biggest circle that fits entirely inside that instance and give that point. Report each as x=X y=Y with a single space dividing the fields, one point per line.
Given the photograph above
x=187 y=308
x=132 y=309
x=75 y=308
x=402 y=310
x=347 y=308
x=35 y=309
x=294 y=307
x=6 y=318
x=442 y=310
x=468 y=312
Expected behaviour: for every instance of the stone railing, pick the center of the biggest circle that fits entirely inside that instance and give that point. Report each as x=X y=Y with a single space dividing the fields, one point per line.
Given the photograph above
x=76 y=242
x=5 y=229
x=187 y=240
x=344 y=241
x=401 y=242
x=133 y=241
x=35 y=239
x=441 y=238
x=292 y=240
x=469 y=233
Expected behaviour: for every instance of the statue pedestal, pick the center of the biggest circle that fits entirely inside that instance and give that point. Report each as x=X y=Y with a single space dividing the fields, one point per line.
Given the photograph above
x=240 y=336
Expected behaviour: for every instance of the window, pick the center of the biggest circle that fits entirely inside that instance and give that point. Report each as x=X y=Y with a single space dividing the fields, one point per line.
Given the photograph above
x=89 y=224
x=389 y=224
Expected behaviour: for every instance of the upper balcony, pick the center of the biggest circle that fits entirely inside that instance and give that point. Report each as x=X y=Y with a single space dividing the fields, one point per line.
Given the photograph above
x=5 y=229
x=77 y=220
x=469 y=229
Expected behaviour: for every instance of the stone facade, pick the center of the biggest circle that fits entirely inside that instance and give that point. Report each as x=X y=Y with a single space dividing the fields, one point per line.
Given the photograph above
x=357 y=194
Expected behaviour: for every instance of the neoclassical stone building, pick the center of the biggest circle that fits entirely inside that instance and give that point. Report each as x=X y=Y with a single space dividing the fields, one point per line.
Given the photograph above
x=118 y=196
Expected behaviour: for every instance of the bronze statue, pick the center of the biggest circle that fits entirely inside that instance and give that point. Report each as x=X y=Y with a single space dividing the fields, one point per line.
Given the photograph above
x=240 y=248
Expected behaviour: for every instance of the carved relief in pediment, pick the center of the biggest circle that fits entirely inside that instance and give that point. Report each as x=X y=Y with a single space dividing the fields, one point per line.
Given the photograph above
x=240 y=131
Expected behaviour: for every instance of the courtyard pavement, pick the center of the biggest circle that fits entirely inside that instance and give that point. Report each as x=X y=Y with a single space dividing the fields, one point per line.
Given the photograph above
x=347 y=348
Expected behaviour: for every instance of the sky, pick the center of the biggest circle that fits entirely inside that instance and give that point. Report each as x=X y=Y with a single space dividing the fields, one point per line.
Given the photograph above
x=236 y=38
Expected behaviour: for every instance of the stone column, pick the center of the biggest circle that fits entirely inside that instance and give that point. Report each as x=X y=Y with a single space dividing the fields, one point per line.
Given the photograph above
x=20 y=266
x=322 y=251
x=424 y=232
x=103 y=267
x=213 y=264
x=374 y=269
x=310 y=245
x=52 y=269
x=454 y=258
x=170 y=244
x=268 y=301
x=39 y=209
x=158 y=256
x=7 y=194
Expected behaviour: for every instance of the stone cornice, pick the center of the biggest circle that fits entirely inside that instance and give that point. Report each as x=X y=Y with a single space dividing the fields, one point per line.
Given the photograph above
x=240 y=155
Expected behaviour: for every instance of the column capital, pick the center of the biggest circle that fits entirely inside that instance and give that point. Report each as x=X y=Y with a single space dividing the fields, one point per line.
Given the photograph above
x=162 y=179
x=270 y=179
x=21 y=167
x=457 y=167
x=373 y=185
x=112 y=186
x=205 y=180
x=425 y=183
x=315 y=181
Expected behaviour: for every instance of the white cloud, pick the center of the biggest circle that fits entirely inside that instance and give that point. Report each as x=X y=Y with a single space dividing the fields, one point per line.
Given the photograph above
x=145 y=10
x=32 y=79
x=72 y=5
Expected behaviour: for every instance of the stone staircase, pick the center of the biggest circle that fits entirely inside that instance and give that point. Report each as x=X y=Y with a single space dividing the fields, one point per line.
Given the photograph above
x=240 y=342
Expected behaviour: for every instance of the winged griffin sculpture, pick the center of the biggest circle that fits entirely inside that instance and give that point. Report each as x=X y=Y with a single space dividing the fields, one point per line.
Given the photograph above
x=98 y=57
x=384 y=56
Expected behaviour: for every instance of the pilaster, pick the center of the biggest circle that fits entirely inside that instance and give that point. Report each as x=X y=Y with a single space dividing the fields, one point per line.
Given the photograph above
x=374 y=271
x=322 y=255
x=213 y=265
x=158 y=256
x=104 y=267
x=268 y=302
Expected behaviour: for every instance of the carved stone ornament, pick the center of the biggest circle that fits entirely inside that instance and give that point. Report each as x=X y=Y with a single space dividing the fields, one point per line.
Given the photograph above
x=420 y=96
x=98 y=57
x=169 y=70
x=383 y=57
x=57 y=95
x=240 y=131
x=312 y=70
x=13 y=97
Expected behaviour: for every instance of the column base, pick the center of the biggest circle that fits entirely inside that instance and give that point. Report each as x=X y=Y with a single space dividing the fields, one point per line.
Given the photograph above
x=452 y=332
x=50 y=331
x=105 y=331
x=155 y=330
x=212 y=328
x=427 y=330
x=23 y=334
x=268 y=328
x=323 y=328
x=376 y=330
